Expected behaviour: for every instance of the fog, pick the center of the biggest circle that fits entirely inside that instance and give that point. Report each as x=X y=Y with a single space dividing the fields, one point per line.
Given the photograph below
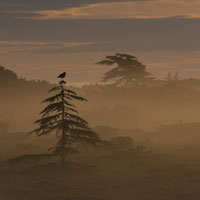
x=151 y=145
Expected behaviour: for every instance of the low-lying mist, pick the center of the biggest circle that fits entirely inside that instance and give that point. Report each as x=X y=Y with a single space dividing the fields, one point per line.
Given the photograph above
x=150 y=148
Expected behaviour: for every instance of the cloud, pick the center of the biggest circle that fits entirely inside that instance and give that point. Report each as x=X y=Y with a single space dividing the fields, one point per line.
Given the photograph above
x=21 y=43
x=32 y=46
x=49 y=4
x=120 y=10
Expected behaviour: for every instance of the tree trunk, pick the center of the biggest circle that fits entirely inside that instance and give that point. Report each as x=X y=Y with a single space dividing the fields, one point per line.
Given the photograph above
x=62 y=161
x=62 y=156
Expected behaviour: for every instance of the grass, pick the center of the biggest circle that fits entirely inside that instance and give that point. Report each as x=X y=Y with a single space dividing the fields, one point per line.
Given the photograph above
x=113 y=177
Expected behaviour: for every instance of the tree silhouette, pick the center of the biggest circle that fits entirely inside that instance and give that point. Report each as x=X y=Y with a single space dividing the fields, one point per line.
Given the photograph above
x=129 y=70
x=172 y=78
x=60 y=117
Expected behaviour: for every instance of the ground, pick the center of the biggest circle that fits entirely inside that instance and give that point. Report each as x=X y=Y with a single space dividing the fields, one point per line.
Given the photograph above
x=115 y=177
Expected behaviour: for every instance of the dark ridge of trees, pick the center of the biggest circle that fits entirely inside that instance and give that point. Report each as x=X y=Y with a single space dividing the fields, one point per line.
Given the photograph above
x=7 y=75
x=129 y=70
x=11 y=83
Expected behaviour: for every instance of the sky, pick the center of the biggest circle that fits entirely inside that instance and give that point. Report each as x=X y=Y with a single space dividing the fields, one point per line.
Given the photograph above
x=41 y=38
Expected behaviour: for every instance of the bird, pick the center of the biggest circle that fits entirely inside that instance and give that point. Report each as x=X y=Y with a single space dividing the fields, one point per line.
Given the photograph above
x=62 y=75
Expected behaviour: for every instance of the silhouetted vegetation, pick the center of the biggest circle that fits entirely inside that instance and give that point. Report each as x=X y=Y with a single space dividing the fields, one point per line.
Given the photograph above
x=10 y=82
x=129 y=70
x=60 y=117
x=151 y=137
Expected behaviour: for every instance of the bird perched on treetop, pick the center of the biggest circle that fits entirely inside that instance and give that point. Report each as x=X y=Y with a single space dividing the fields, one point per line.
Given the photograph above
x=62 y=75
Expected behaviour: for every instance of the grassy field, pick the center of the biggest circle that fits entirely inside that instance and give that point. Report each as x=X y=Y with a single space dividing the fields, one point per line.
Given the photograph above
x=115 y=176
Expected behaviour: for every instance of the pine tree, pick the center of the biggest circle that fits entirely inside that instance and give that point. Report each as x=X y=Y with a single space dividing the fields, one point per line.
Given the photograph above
x=129 y=71
x=60 y=116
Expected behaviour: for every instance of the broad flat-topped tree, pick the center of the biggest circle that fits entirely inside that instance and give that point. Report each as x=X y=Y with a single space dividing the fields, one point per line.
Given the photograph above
x=128 y=72
x=60 y=116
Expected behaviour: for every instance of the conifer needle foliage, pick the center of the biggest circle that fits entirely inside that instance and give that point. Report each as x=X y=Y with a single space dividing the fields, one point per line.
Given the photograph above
x=60 y=116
